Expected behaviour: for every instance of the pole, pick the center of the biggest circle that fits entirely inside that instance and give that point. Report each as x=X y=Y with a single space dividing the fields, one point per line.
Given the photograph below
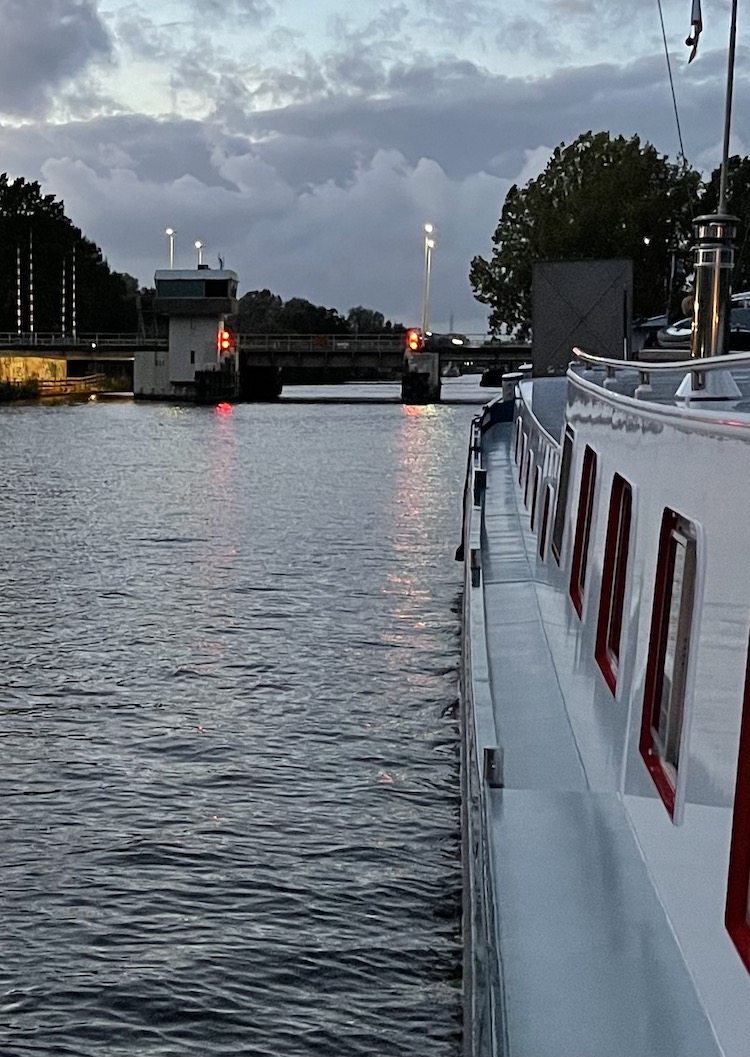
x=19 y=313
x=428 y=244
x=73 y=295
x=728 y=110
x=63 y=299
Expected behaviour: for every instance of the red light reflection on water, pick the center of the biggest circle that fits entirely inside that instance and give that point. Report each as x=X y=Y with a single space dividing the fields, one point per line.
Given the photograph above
x=224 y=408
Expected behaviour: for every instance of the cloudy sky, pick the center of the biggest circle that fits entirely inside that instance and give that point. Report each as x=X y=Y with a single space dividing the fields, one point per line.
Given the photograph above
x=307 y=141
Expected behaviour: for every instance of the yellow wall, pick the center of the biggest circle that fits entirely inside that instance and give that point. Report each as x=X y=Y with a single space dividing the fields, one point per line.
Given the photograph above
x=25 y=368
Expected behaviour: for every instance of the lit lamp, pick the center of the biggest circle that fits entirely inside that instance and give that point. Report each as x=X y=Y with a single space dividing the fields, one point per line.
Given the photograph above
x=170 y=235
x=199 y=246
x=429 y=246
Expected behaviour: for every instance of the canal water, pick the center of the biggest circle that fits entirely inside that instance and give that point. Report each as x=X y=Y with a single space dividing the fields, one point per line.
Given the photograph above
x=229 y=815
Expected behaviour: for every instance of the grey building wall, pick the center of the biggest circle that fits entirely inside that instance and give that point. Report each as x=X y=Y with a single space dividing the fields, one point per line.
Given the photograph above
x=588 y=304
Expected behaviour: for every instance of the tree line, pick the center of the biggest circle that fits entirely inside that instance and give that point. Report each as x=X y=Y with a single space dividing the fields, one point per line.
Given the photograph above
x=55 y=280
x=262 y=312
x=604 y=198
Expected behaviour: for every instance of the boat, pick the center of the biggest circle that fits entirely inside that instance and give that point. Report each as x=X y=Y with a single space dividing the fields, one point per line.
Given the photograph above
x=605 y=701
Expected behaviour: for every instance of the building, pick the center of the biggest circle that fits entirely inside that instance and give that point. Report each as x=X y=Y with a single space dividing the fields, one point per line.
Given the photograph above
x=200 y=361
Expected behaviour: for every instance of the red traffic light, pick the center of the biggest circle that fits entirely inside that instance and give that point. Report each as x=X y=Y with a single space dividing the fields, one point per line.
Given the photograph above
x=414 y=340
x=225 y=341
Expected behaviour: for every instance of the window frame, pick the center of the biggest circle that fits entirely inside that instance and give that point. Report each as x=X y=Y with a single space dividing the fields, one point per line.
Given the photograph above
x=582 y=538
x=522 y=459
x=530 y=464
x=666 y=775
x=737 y=910
x=535 y=497
x=561 y=496
x=517 y=448
x=546 y=507
x=614 y=577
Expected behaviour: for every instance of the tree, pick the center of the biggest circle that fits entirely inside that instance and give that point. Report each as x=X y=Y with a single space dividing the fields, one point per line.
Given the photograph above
x=302 y=317
x=38 y=245
x=363 y=320
x=599 y=198
x=259 y=312
x=738 y=204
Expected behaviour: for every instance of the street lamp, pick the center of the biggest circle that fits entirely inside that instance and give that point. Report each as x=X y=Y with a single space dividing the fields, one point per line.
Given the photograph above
x=170 y=235
x=429 y=246
x=199 y=246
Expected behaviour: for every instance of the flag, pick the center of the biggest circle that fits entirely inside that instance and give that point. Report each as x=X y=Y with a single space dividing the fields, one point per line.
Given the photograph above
x=696 y=25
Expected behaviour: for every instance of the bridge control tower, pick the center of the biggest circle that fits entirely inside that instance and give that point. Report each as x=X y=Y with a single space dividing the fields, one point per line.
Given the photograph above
x=194 y=367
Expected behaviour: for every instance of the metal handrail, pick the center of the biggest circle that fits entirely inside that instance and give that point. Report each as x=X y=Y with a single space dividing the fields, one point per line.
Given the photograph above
x=708 y=363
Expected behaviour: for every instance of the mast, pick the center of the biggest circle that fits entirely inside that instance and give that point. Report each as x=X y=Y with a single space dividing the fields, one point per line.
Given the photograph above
x=714 y=265
x=728 y=110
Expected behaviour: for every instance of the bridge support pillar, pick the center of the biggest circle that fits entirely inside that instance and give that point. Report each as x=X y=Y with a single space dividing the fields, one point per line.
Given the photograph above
x=420 y=381
x=259 y=384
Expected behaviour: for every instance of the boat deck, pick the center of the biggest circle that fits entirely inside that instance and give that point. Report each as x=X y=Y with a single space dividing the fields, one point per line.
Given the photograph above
x=585 y=943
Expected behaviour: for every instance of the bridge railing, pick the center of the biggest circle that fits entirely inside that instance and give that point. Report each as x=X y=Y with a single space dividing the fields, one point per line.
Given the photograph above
x=353 y=342
x=298 y=344
x=320 y=342
x=89 y=383
x=38 y=339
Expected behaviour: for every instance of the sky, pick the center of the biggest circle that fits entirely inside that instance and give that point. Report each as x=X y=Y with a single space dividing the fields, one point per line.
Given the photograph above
x=307 y=142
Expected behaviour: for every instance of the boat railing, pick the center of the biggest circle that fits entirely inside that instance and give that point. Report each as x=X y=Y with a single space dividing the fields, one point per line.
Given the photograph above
x=698 y=368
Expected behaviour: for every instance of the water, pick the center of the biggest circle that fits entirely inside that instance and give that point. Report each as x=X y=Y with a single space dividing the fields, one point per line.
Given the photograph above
x=228 y=676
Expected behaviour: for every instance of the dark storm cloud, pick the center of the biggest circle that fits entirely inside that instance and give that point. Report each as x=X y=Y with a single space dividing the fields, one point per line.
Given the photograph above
x=45 y=44
x=469 y=121
x=255 y=11
x=325 y=198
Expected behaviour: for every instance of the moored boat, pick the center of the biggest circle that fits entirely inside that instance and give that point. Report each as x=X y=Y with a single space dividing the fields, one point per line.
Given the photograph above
x=606 y=759
x=606 y=700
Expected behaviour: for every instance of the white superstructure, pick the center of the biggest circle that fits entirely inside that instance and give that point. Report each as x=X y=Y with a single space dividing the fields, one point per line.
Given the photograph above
x=607 y=620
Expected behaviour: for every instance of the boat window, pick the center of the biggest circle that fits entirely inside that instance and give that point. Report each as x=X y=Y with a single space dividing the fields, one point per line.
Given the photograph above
x=558 y=527
x=522 y=460
x=666 y=669
x=545 y=521
x=737 y=916
x=583 y=529
x=517 y=450
x=612 y=602
x=529 y=474
x=535 y=498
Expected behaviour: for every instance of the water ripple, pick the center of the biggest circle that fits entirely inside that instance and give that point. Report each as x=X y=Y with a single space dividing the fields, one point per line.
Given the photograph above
x=229 y=795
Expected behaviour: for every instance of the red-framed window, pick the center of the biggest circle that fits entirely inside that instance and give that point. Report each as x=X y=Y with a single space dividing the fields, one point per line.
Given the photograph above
x=517 y=449
x=669 y=645
x=612 y=602
x=530 y=461
x=561 y=504
x=522 y=460
x=583 y=529
x=737 y=915
x=535 y=498
x=545 y=521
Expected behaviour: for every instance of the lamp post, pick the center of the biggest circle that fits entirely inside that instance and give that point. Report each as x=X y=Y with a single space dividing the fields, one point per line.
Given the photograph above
x=429 y=246
x=199 y=246
x=170 y=235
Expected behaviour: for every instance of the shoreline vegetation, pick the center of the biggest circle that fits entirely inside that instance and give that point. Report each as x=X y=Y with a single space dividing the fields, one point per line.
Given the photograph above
x=26 y=390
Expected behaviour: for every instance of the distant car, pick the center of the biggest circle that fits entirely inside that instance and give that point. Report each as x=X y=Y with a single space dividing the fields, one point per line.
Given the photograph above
x=678 y=335
x=444 y=341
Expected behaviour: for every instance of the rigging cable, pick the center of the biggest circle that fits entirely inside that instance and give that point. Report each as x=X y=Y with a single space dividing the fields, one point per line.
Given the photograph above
x=671 y=85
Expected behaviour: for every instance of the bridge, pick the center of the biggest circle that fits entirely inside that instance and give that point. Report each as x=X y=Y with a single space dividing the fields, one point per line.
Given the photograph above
x=267 y=362
x=275 y=350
